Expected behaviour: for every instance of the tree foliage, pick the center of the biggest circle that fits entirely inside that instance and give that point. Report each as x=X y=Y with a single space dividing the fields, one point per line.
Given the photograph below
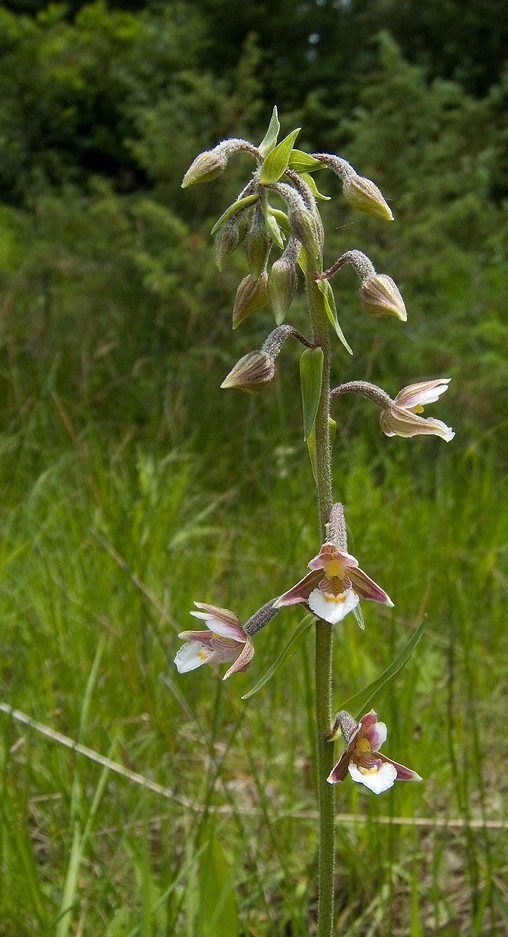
x=103 y=108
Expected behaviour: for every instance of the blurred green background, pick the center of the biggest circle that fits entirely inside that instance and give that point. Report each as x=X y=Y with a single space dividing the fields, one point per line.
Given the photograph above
x=132 y=485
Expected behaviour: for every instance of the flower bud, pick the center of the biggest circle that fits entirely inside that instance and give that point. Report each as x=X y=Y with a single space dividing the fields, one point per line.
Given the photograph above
x=257 y=244
x=304 y=228
x=381 y=297
x=364 y=195
x=251 y=295
x=251 y=373
x=206 y=166
x=227 y=240
x=282 y=283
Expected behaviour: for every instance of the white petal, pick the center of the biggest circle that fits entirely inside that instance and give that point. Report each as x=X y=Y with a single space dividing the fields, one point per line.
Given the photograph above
x=377 y=735
x=218 y=626
x=192 y=655
x=332 y=608
x=377 y=780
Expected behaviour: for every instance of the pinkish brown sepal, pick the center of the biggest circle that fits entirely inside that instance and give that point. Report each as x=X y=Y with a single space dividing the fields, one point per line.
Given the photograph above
x=362 y=758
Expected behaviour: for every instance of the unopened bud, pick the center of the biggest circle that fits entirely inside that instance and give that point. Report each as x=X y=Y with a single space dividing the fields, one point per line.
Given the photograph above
x=364 y=195
x=282 y=283
x=302 y=222
x=229 y=236
x=381 y=297
x=251 y=373
x=211 y=163
x=304 y=227
x=257 y=244
x=251 y=295
x=206 y=166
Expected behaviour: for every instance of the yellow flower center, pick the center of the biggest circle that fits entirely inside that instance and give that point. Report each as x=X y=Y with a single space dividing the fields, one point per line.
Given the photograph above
x=335 y=569
x=417 y=409
x=363 y=746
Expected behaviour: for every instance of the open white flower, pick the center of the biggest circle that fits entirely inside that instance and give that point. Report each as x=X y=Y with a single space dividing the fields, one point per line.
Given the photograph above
x=362 y=758
x=224 y=641
x=334 y=587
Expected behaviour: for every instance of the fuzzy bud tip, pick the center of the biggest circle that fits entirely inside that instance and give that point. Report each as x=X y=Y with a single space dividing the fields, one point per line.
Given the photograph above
x=364 y=195
x=381 y=297
x=251 y=373
x=205 y=167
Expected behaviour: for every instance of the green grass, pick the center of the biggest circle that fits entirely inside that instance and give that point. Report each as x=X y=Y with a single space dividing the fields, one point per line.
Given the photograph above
x=106 y=542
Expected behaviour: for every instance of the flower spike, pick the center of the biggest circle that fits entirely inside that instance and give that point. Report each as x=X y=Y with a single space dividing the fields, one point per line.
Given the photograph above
x=225 y=641
x=362 y=758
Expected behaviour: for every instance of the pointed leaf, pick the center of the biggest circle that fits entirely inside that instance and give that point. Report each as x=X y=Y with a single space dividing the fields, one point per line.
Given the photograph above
x=270 y=138
x=357 y=612
x=280 y=217
x=233 y=209
x=302 y=162
x=311 y=378
x=311 y=447
x=361 y=701
x=276 y=162
x=331 y=310
x=313 y=187
x=287 y=653
x=218 y=912
x=273 y=229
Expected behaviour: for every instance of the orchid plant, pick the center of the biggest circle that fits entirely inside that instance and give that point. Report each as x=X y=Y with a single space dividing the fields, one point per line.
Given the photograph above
x=278 y=210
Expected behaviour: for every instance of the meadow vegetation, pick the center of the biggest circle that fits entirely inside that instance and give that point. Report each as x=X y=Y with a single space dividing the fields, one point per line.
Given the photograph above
x=132 y=485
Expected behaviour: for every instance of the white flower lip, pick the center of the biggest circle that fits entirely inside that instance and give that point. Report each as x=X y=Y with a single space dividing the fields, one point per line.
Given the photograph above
x=377 y=780
x=332 y=608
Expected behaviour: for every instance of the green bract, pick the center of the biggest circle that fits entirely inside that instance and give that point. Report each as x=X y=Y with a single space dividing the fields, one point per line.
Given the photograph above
x=311 y=378
x=276 y=162
x=233 y=209
x=270 y=138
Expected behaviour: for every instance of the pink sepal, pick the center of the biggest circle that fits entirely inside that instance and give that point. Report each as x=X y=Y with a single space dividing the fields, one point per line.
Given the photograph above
x=242 y=661
x=302 y=590
x=366 y=588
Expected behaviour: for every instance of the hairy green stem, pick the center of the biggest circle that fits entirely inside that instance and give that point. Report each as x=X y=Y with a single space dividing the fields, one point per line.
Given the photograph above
x=324 y=632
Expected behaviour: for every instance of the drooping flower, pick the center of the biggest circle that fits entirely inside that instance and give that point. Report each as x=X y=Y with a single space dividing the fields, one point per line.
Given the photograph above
x=362 y=758
x=334 y=587
x=402 y=418
x=225 y=640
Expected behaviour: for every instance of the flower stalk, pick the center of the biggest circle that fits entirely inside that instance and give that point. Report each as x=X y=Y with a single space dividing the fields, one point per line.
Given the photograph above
x=324 y=634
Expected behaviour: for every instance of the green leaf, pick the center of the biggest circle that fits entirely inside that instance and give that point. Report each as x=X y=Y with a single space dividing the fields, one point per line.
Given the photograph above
x=361 y=701
x=311 y=447
x=311 y=378
x=270 y=138
x=313 y=187
x=280 y=217
x=273 y=229
x=233 y=209
x=331 y=311
x=302 y=260
x=276 y=162
x=218 y=912
x=287 y=653
x=302 y=162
